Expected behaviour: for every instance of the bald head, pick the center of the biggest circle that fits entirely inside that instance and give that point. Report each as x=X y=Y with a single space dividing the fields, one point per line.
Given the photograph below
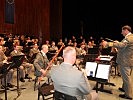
x=69 y=55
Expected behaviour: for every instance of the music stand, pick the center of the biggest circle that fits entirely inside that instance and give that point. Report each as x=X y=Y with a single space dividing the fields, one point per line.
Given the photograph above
x=94 y=50
x=92 y=54
x=94 y=72
x=4 y=71
x=50 y=54
x=17 y=61
x=106 y=51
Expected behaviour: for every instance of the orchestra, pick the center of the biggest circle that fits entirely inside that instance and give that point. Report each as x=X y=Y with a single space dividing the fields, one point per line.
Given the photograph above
x=30 y=50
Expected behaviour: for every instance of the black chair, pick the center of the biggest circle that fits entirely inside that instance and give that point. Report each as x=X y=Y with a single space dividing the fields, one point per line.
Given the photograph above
x=61 y=96
x=46 y=91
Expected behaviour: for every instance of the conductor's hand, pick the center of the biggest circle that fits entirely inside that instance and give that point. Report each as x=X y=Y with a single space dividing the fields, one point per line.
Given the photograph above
x=116 y=41
x=104 y=43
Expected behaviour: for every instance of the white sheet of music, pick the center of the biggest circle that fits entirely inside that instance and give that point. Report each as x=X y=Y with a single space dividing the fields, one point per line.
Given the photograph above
x=90 y=68
x=105 y=58
x=103 y=71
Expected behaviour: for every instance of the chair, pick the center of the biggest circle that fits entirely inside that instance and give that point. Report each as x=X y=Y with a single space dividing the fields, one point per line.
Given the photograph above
x=61 y=96
x=46 y=91
x=38 y=80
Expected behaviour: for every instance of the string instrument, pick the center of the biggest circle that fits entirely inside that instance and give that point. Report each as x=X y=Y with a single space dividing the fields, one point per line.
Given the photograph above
x=54 y=57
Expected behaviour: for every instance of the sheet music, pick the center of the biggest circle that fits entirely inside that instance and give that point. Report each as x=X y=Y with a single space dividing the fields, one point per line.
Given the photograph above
x=90 y=68
x=105 y=58
x=103 y=71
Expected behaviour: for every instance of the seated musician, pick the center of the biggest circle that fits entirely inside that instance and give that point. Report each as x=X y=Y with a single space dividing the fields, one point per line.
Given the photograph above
x=41 y=62
x=60 y=43
x=9 y=76
x=70 y=43
x=70 y=81
x=33 y=51
x=53 y=47
x=17 y=51
x=83 y=49
x=47 y=43
x=77 y=49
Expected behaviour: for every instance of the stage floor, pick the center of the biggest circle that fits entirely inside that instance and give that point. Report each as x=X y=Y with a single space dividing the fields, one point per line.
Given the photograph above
x=30 y=94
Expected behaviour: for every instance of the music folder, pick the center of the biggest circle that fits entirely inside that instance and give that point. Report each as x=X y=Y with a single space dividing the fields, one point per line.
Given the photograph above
x=18 y=60
x=97 y=71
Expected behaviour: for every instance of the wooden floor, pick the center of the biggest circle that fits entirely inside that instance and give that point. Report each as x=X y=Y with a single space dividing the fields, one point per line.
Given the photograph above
x=29 y=94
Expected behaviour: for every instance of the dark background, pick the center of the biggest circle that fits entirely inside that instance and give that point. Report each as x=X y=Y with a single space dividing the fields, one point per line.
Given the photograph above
x=55 y=19
x=98 y=19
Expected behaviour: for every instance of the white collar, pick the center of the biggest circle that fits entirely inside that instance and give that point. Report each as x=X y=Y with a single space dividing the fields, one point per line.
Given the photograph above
x=15 y=51
x=43 y=53
x=67 y=63
x=128 y=34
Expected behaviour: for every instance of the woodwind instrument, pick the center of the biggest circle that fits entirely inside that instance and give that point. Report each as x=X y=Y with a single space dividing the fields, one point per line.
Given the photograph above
x=51 y=61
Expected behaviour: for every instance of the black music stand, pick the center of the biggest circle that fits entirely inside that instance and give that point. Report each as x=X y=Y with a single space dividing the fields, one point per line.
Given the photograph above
x=106 y=51
x=17 y=61
x=50 y=54
x=95 y=73
x=94 y=50
x=91 y=55
x=4 y=71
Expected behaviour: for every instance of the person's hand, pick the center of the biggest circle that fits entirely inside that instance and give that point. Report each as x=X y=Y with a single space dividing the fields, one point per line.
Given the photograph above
x=50 y=65
x=104 y=43
x=116 y=41
x=44 y=72
x=5 y=61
